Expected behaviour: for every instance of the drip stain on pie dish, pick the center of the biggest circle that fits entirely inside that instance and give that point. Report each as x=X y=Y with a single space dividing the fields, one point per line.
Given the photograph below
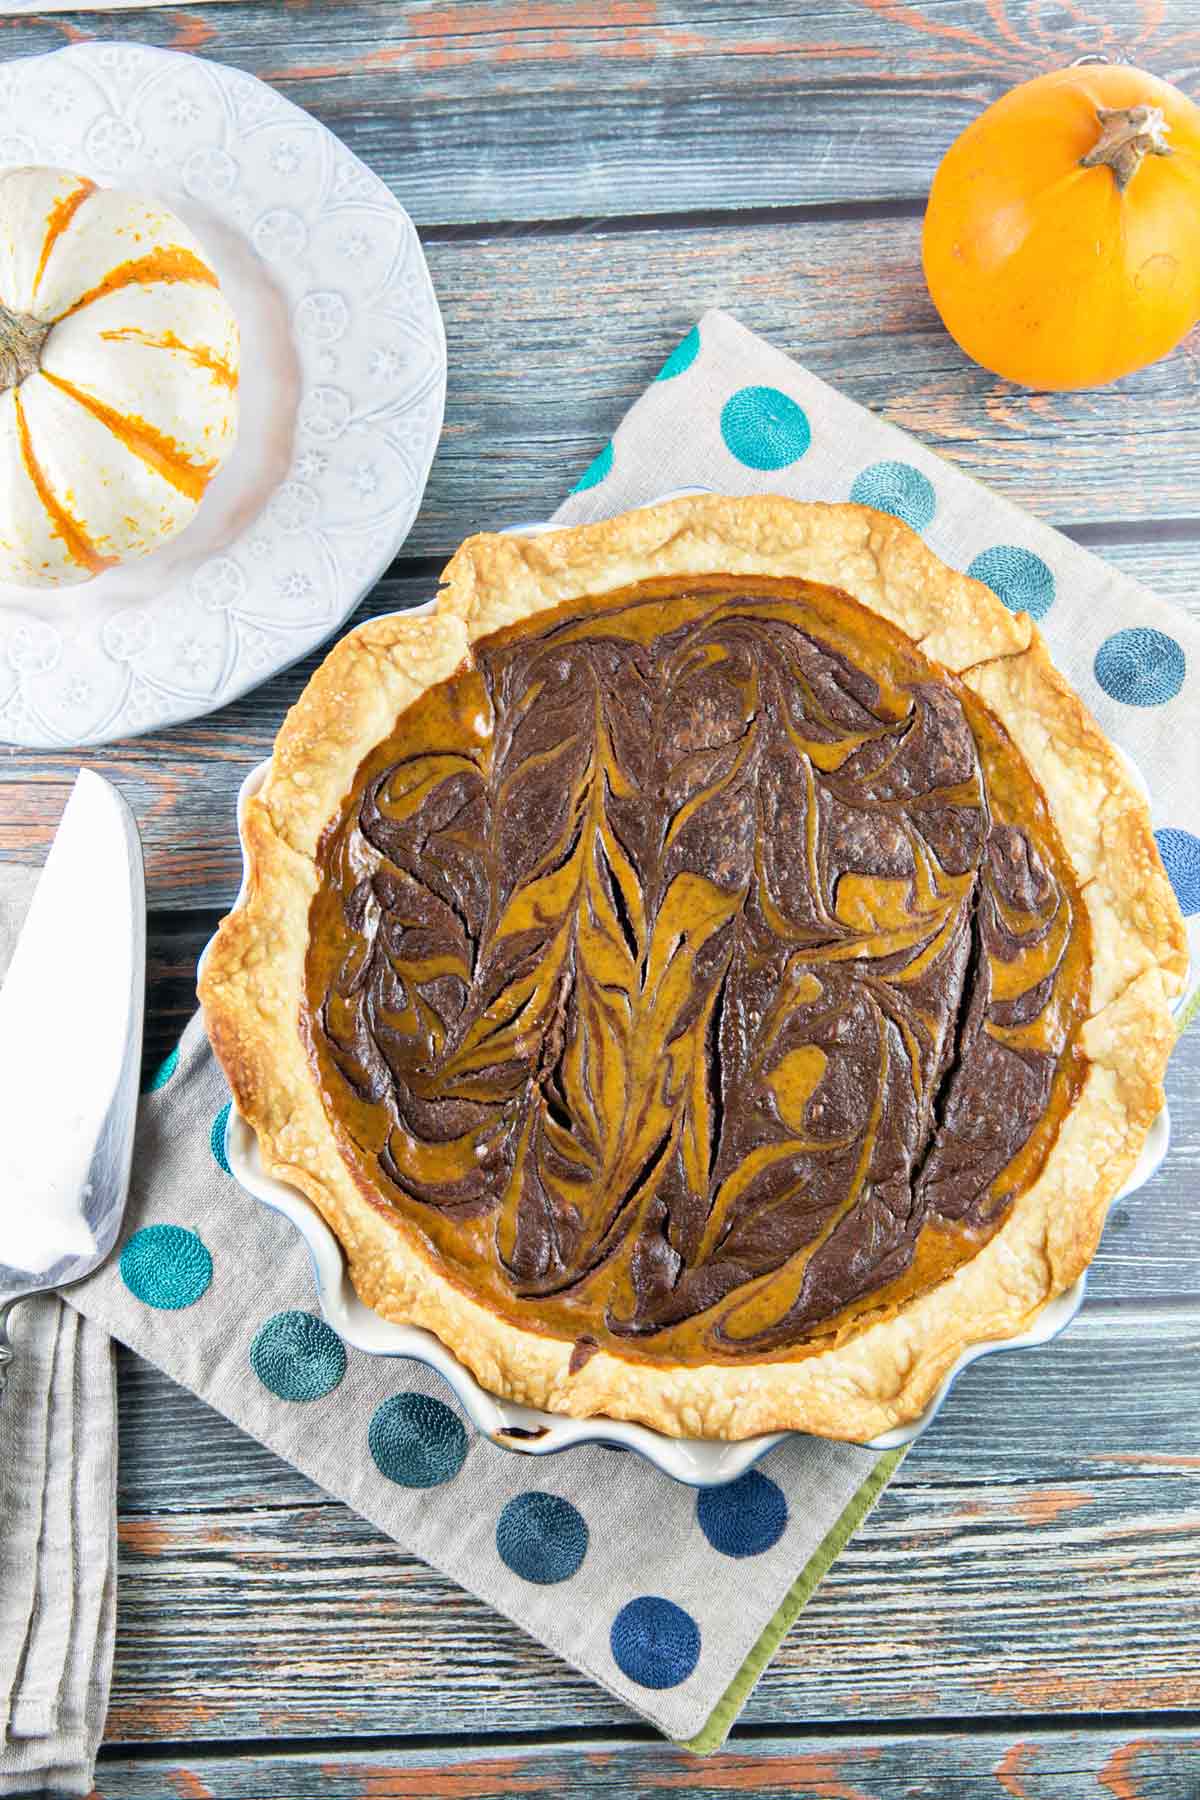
x=711 y=971
x=668 y=964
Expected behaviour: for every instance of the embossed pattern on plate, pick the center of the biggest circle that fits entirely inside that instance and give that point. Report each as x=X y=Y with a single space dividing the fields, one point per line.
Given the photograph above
x=343 y=386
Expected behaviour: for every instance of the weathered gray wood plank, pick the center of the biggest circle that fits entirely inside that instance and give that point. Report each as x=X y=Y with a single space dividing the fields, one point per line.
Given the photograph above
x=495 y=110
x=1162 y=1763
x=989 y=1598
x=983 y=1584
x=537 y=384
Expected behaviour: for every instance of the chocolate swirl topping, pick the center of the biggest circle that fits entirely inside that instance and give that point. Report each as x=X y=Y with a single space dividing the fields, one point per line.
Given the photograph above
x=698 y=972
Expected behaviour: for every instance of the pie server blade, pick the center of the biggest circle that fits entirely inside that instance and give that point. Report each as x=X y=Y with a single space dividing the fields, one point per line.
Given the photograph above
x=70 y=1050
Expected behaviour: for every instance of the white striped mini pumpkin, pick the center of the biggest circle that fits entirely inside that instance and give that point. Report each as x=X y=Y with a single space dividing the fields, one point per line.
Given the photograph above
x=118 y=377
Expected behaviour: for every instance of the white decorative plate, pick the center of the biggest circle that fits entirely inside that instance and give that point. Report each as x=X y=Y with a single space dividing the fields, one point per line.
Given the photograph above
x=343 y=384
x=698 y=1462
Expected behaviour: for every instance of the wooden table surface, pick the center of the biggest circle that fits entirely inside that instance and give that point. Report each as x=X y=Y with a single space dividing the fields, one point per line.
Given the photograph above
x=1021 y=1616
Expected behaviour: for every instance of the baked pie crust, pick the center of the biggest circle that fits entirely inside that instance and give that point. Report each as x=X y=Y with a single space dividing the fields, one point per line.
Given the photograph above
x=859 y=1343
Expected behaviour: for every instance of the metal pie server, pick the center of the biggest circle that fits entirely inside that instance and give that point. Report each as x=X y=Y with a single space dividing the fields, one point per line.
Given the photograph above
x=70 y=1051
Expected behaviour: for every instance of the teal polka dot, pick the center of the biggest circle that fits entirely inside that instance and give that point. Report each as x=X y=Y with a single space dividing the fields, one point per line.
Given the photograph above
x=596 y=471
x=166 y=1266
x=163 y=1073
x=682 y=356
x=1180 y=851
x=896 y=488
x=297 y=1356
x=217 y=1137
x=416 y=1441
x=1018 y=577
x=764 y=429
x=1140 y=666
x=542 y=1538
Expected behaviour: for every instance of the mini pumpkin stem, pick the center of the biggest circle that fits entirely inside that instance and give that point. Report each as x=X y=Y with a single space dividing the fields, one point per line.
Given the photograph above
x=1127 y=134
x=21 y=341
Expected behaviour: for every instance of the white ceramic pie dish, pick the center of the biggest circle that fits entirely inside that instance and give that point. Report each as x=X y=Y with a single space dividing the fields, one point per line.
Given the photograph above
x=698 y=1462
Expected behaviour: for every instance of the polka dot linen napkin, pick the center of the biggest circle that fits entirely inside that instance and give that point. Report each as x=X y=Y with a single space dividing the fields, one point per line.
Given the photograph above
x=677 y=1621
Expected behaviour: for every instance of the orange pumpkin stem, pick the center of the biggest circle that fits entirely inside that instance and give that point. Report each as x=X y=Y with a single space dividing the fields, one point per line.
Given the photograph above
x=21 y=341
x=1127 y=134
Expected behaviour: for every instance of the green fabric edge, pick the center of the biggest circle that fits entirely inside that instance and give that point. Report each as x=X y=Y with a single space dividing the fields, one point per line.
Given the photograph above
x=716 y=1728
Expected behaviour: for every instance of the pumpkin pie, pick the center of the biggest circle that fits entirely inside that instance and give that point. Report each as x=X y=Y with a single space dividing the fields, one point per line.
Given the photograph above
x=711 y=970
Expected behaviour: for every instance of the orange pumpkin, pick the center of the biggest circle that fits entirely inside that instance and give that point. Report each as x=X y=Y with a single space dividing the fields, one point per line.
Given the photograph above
x=1062 y=237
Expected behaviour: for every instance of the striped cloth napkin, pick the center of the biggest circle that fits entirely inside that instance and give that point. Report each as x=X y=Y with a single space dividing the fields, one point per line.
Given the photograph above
x=58 y=1518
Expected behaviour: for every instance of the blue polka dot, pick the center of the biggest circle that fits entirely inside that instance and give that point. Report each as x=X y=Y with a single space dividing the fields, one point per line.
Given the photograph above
x=1018 y=577
x=764 y=429
x=654 y=1642
x=1140 y=667
x=163 y=1073
x=416 y=1441
x=166 y=1266
x=597 y=469
x=1180 y=851
x=298 y=1356
x=541 y=1538
x=743 y=1518
x=896 y=488
x=217 y=1137
x=682 y=356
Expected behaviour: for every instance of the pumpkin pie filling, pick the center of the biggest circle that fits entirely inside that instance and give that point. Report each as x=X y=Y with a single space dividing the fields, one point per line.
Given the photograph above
x=698 y=971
